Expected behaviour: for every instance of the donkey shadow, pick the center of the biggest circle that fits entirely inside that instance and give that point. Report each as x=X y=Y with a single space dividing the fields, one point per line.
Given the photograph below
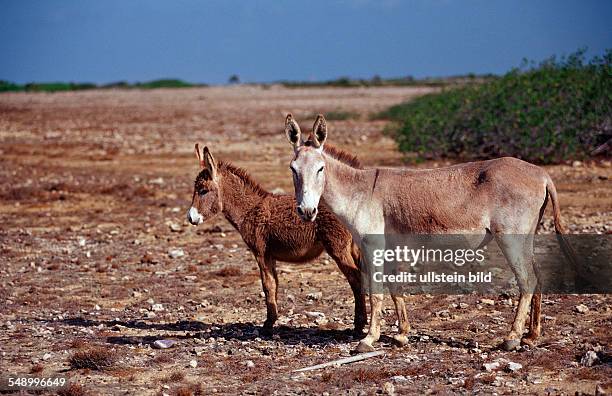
x=308 y=336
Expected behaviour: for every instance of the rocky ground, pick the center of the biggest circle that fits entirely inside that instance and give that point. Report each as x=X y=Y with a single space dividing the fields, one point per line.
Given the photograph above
x=97 y=262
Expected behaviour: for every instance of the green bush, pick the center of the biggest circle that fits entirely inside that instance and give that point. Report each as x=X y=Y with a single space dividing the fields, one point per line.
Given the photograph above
x=164 y=83
x=377 y=81
x=58 y=86
x=547 y=113
x=7 y=86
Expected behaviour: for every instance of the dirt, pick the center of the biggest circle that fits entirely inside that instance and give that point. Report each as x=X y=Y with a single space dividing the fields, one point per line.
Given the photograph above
x=94 y=190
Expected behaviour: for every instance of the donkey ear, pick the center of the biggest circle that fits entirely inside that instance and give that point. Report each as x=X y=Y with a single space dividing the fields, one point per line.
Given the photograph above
x=292 y=130
x=210 y=163
x=319 y=130
x=199 y=155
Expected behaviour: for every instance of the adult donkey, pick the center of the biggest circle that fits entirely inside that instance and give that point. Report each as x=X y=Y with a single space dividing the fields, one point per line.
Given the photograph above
x=497 y=199
x=272 y=230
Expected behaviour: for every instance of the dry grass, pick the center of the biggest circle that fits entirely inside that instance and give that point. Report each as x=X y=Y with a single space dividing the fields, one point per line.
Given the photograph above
x=189 y=390
x=228 y=272
x=78 y=343
x=96 y=358
x=162 y=359
x=175 y=376
x=347 y=378
x=73 y=390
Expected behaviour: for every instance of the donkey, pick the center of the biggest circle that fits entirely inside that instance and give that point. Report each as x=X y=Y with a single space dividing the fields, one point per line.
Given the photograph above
x=272 y=230
x=490 y=199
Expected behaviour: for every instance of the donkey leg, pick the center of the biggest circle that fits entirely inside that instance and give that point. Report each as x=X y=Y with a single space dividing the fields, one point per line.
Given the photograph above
x=375 y=290
x=347 y=258
x=402 y=317
x=535 y=325
x=353 y=276
x=376 y=303
x=518 y=250
x=269 y=281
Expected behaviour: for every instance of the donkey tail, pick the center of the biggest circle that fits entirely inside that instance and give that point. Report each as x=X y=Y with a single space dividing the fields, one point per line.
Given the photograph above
x=567 y=249
x=585 y=280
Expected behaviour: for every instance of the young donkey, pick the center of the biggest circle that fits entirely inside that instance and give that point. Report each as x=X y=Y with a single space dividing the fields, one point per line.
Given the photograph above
x=496 y=199
x=272 y=230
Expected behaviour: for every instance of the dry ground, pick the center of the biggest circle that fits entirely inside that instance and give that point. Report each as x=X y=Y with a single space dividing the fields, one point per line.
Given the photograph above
x=94 y=189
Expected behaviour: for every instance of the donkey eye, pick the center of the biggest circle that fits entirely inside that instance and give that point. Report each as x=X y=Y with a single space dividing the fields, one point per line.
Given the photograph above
x=202 y=191
x=320 y=170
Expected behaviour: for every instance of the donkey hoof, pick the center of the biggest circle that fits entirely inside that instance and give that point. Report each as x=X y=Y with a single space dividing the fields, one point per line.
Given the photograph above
x=400 y=339
x=530 y=342
x=511 y=345
x=364 y=347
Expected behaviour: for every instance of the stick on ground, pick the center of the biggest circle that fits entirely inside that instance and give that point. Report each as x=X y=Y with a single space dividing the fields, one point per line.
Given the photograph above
x=352 y=359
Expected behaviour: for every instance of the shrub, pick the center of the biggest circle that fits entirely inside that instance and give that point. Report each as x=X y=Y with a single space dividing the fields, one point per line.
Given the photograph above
x=73 y=390
x=7 y=86
x=58 y=86
x=547 y=113
x=164 y=83
x=95 y=358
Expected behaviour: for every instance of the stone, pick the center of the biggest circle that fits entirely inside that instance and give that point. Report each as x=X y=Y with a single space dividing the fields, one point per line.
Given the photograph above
x=163 y=344
x=512 y=366
x=491 y=366
x=174 y=227
x=176 y=253
x=487 y=301
x=589 y=359
x=314 y=296
x=314 y=314
x=581 y=308
x=389 y=388
x=193 y=363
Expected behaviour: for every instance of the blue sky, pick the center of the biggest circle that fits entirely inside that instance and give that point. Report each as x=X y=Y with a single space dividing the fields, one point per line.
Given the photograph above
x=269 y=40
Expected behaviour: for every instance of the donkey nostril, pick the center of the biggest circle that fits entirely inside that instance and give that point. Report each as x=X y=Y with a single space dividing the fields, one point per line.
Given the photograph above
x=193 y=216
x=314 y=212
x=300 y=211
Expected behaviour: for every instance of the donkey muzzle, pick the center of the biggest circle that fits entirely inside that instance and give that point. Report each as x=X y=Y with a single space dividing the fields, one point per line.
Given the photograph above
x=194 y=217
x=307 y=214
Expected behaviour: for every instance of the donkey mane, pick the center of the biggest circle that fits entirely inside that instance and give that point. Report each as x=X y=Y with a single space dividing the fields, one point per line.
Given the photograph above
x=339 y=154
x=342 y=156
x=244 y=176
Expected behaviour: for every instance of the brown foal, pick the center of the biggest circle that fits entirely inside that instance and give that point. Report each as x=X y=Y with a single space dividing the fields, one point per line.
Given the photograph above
x=272 y=229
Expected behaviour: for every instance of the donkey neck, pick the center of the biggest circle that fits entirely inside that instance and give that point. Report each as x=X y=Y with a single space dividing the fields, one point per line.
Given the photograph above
x=239 y=196
x=346 y=188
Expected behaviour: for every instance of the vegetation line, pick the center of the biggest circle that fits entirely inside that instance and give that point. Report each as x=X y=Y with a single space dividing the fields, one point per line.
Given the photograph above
x=558 y=110
x=376 y=81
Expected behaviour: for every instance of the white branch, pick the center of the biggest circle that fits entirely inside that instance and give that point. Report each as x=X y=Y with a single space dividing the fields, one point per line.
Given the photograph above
x=352 y=359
